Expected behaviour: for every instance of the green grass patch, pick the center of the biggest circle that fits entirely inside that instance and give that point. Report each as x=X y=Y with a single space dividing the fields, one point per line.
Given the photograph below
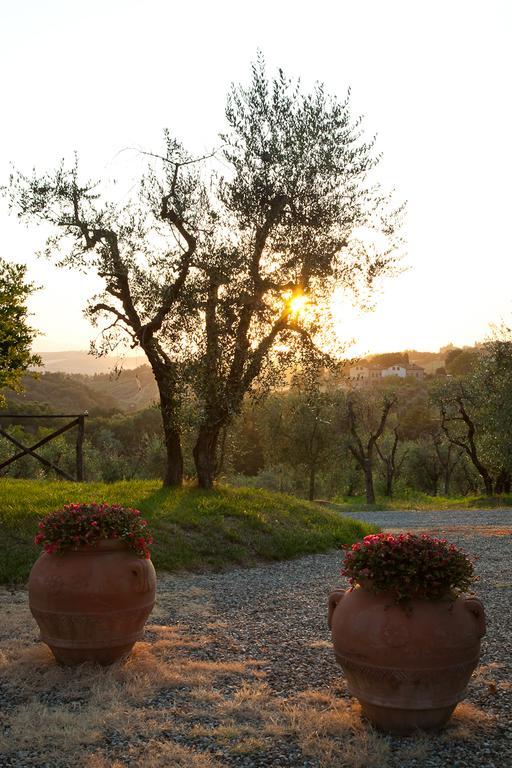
x=421 y=502
x=193 y=529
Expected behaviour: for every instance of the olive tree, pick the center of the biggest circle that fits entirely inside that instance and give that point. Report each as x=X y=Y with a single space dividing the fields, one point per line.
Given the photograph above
x=463 y=421
x=225 y=280
x=143 y=251
x=302 y=431
x=16 y=335
x=299 y=215
x=367 y=412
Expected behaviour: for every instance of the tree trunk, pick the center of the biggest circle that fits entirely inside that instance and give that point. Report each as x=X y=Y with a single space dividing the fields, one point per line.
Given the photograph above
x=220 y=464
x=487 y=485
x=170 y=411
x=502 y=482
x=486 y=477
x=447 y=478
x=173 y=476
x=483 y=472
x=389 y=482
x=368 y=482
x=204 y=456
x=312 y=479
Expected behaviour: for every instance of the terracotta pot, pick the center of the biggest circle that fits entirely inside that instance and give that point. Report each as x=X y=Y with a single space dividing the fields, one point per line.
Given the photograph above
x=409 y=669
x=91 y=604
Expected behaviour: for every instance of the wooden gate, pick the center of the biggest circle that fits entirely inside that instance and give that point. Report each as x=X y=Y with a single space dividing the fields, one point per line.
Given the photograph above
x=78 y=421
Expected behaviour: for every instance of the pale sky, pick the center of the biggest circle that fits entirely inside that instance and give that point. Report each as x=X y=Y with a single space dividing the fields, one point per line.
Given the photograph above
x=432 y=78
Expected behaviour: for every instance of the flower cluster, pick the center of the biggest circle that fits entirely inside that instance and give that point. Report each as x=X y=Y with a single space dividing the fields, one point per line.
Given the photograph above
x=82 y=525
x=409 y=565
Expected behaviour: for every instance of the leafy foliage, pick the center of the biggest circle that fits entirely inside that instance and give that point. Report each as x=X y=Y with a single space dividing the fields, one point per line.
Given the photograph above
x=204 y=271
x=84 y=525
x=16 y=335
x=409 y=566
x=290 y=218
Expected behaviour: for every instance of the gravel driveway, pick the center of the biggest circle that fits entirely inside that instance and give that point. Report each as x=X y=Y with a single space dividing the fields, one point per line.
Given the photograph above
x=270 y=619
x=278 y=612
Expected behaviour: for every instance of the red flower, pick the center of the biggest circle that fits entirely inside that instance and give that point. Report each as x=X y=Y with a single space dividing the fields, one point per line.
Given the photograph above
x=408 y=564
x=79 y=524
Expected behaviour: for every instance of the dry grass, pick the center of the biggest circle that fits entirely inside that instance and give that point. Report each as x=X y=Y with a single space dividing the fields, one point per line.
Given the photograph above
x=331 y=730
x=416 y=748
x=321 y=644
x=66 y=717
x=468 y=723
x=156 y=754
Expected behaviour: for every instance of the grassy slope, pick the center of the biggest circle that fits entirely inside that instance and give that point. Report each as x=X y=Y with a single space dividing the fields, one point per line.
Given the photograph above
x=192 y=529
x=422 y=502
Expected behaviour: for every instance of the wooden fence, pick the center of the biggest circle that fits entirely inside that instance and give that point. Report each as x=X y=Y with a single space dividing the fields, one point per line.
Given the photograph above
x=78 y=421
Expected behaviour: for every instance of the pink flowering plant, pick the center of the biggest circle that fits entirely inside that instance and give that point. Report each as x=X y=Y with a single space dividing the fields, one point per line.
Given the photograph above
x=83 y=525
x=409 y=565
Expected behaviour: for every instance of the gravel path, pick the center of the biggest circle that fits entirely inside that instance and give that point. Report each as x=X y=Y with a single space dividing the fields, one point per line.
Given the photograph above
x=276 y=614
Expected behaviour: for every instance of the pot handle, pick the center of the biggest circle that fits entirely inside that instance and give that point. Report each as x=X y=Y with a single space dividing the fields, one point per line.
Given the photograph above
x=334 y=599
x=475 y=607
x=141 y=574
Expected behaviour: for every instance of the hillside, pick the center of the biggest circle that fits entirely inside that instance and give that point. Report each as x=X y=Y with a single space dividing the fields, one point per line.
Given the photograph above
x=192 y=529
x=133 y=388
x=430 y=361
x=101 y=394
x=82 y=362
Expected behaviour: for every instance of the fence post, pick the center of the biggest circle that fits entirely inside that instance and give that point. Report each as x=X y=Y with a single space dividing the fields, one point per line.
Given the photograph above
x=79 y=449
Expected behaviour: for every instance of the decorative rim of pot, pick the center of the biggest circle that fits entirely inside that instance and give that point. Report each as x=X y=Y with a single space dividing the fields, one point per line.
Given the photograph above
x=409 y=565
x=85 y=527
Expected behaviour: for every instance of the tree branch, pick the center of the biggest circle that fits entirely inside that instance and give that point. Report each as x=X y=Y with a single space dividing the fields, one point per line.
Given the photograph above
x=359 y=455
x=106 y=308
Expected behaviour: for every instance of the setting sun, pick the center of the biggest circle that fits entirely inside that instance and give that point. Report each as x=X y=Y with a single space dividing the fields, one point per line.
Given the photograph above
x=298 y=304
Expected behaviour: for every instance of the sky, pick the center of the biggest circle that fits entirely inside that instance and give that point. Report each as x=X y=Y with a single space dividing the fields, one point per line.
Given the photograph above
x=431 y=77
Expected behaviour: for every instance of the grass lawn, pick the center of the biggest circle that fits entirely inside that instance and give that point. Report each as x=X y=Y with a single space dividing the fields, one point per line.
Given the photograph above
x=192 y=529
x=422 y=502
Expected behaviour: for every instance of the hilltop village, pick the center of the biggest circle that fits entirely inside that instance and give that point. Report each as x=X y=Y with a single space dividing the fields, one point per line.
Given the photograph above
x=367 y=372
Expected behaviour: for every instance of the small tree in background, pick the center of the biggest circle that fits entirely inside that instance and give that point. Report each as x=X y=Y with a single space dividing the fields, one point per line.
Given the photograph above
x=367 y=412
x=302 y=430
x=463 y=420
x=16 y=335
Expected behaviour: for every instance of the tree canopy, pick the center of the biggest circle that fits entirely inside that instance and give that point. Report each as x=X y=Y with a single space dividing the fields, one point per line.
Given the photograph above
x=16 y=335
x=225 y=279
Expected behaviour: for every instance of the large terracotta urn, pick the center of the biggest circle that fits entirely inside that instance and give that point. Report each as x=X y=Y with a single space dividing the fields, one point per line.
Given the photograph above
x=91 y=604
x=409 y=667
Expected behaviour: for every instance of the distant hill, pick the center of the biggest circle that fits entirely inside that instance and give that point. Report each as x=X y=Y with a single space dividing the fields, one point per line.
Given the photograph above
x=101 y=394
x=131 y=389
x=73 y=382
x=430 y=361
x=81 y=361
